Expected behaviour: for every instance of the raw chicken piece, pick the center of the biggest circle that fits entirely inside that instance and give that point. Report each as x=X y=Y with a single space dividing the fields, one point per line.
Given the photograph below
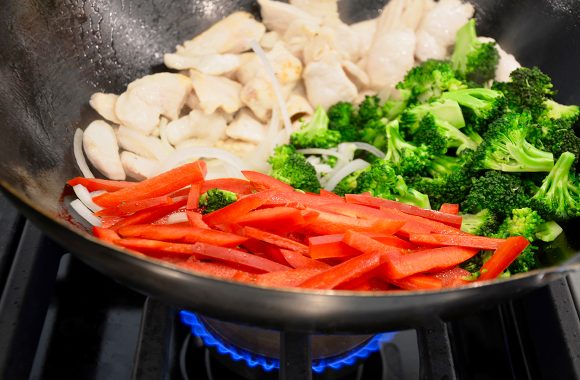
x=269 y=40
x=239 y=148
x=215 y=64
x=100 y=146
x=347 y=41
x=327 y=84
x=147 y=98
x=287 y=67
x=298 y=106
x=318 y=8
x=145 y=146
x=365 y=31
x=246 y=128
x=278 y=16
x=298 y=34
x=216 y=92
x=138 y=167
x=259 y=96
x=196 y=124
x=436 y=33
x=356 y=74
x=233 y=34
x=507 y=62
x=322 y=44
x=104 y=104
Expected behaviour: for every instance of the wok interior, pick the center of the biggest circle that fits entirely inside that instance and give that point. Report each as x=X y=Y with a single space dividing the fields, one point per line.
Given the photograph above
x=56 y=54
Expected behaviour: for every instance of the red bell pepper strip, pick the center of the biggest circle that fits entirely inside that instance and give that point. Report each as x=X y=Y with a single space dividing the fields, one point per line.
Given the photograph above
x=287 y=278
x=391 y=241
x=275 y=218
x=418 y=282
x=367 y=283
x=195 y=219
x=163 y=184
x=193 y=197
x=262 y=182
x=235 y=185
x=327 y=224
x=298 y=260
x=237 y=209
x=213 y=269
x=449 y=208
x=274 y=239
x=330 y=194
x=420 y=222
x=471 y=241
x=453 y=277
x=105 y=234
x=181 y=234
x=504 y=255
x=131 y=207
x=346 y=271
x=150 y=215
x=95 y=184
x=449 y=219
x=266 y=250
x=329 y=246
x=298 y=199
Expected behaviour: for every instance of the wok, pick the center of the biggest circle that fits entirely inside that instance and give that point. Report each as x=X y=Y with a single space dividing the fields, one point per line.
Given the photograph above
x=55 y=54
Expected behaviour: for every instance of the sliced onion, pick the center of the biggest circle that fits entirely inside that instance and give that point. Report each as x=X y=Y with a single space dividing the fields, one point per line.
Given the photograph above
x=369 y=148
x=344 y=172
x=79 y=155
x=178 y=217
x=323 y=152
x=84 y=196
x=192 y=153
x=277 y=88
x=85 y=213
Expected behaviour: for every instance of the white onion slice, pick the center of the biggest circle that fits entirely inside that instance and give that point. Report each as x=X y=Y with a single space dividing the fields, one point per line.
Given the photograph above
x=79 y=155
x=345 y=171
x=178 y=217
x=323 y=152
x=85 y=213
x=369 y=148
x=84 y=196
x=184 y=155
x=277 y=88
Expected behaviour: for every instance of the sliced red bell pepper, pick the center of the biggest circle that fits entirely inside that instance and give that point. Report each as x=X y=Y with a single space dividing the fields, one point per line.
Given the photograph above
x=504 y=255
x=181 y=234
x=154 y=247
x=150 y=215
x=391 y=241
x=298 y=199
x=196 y=219
x=327 y=224
x=329 y=246
x=449 y=219
x=262 y=182
x=163 y=184
x=418 y=282
x=330 y=194
x=95 y=184
x=109 y=221
x=218 y=270
x=193 y=197
x=274 y=239
x=471 y=241
x=298 y=260
x=418 y=222
x=105 y=234
x=266 y=250
x=287 y=278
x=235 y=185
x=238 y=209
x=346 y=271
x=453 y=277
x=131 y=207
x=275 y=218
x=367 y=283
x=449 y=208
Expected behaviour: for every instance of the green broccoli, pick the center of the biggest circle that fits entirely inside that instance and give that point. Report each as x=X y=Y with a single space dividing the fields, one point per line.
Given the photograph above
x=438 y=133
x=215 y=199
x=566 y=113
x=445 y=109
x=450 y=188
x=480 y=105
x=348 y=184
x=496 y=191
x=505 y=147
x=381 y=180
x=559 y=196
x=408 y=159
x=475 y=61
x=444 y=165
x=292 y=168
x=315 y=133
x=371 y=122
x=483 y=223
x=342 y=118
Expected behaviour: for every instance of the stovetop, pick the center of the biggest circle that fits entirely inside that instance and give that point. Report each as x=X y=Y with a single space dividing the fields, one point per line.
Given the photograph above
x=60 y=319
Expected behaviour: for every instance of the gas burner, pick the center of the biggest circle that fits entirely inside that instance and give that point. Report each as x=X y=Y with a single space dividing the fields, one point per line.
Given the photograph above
x=258 y=349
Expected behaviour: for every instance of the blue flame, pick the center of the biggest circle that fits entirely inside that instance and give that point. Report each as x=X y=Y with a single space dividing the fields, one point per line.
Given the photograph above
x=270 y=364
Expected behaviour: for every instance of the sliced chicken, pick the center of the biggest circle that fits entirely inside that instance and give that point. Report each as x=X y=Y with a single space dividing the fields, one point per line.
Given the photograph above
x=318 y=8
x=245 y=127
x=196 y=124
x=507 y=62
x=149 y=97
x=356 y=74
x=322 y=44
x=104 y=104
x=365 y=30
x=436 y=33
x=347 y=41
x=145 y=146
x=216 y=92
x=214 y=64
x=298 y=34
x=269 y=40
x=232 y=35
x=138 y=167
x=258 y=95
x=327 y=84
x=239 y=148
x=278 y=16
x=101 y=148
x=286 y=66
x=298 y=106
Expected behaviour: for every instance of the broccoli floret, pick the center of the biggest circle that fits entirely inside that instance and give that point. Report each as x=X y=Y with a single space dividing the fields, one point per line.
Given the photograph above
x=446 y=110
x=371 y=122
x=444 y=165
x=505 y=147
x=215 y=199
x=381 y=180
x=342 y=119
x=452 y=187
x=559 y=196
x=567 y=113
x=429 y=80
x=496 y=191
x=476 y=61
x=408 y=159
x=527 y=90
x=480 y=106
x=484 y=223
x=348 y=184
x=315 y=133
x=433 y=130
x=396 y=104
x=548 y=231
x=558 y=140
x=292 y=168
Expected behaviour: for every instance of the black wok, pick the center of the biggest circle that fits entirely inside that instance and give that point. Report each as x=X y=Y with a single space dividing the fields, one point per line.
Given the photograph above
x=55 y=54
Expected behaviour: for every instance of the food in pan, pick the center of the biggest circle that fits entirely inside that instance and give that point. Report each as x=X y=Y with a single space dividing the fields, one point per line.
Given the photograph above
x=412 y=108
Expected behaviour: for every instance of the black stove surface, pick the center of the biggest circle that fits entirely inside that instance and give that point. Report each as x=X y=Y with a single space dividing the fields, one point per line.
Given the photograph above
x=60 y=319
